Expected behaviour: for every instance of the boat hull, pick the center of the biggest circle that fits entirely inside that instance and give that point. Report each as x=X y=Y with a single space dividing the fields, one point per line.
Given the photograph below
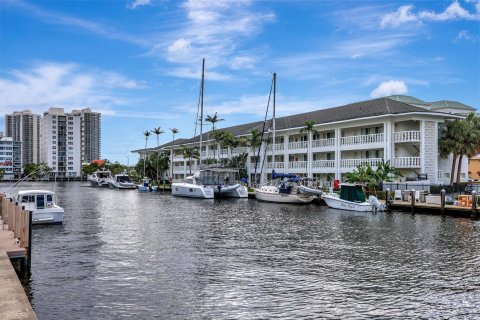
x=337 y=203
x=192 y=191
x=117 y=185
x=282 y=197
x=48 y=216
x=235 y=191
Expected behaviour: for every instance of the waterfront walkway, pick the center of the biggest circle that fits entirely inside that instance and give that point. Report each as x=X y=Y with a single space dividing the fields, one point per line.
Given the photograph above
x=14 y=304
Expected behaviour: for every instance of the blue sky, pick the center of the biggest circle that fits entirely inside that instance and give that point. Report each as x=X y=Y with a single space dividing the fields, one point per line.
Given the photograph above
x=139 y=61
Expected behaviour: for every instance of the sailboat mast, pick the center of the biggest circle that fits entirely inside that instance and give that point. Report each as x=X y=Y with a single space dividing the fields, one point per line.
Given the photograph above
x=273 y=118
x=201 y=109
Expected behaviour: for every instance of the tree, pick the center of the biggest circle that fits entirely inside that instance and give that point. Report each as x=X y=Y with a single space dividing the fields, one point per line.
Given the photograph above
x=365 y=175
x=469 y=137
x=174 y=131
x=309 y=130
x=239 y=162
x=158 y=131
x=213 y=119
x=190 y=153
x=37 y=171
x=449 y=144
x=146 y=134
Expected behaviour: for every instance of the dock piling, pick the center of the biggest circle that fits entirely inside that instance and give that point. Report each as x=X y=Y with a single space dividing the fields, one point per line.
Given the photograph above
x=442 y=201
x=474 y=204
x=413 y=199
x=387 y=196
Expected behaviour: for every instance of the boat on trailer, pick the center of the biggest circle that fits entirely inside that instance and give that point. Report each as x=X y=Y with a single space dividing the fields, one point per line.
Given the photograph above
x=43 y=204
x=352 y=198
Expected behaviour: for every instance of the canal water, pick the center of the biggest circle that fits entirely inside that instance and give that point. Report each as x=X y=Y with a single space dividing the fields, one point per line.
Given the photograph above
x=121 y=254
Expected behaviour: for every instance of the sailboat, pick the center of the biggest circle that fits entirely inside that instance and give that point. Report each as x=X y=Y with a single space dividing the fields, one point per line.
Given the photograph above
x=284 y=188
x=193 y=186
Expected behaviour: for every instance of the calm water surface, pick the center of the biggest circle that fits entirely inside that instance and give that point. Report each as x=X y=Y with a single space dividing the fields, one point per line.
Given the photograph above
x=121 y=254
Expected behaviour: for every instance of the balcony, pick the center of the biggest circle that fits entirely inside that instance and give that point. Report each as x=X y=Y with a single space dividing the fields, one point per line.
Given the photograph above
x=318 y=164
x=297 y=165
x=239 y=150
x=353 y=163
x=278 y=146
x=275 y=165
x=323 y=143
x=407 y=162
x=406 y=136
x=297 y=145
x=362 y=139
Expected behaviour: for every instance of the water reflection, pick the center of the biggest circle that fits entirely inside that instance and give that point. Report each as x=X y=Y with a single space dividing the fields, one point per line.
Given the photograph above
x=124 y=254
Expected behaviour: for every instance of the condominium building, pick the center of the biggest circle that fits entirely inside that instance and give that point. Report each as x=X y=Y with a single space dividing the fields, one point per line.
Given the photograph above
x=90 y=132
x=10 y=158
x=24 y=126
x=400 y=129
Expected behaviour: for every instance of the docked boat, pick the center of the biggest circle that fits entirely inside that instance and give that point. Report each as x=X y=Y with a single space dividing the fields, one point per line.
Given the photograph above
x=43 y=204
x=284 y=188
x=100 y=178
x=192 y=188
x=144 y=186
x=121 y=181
x=352 y=198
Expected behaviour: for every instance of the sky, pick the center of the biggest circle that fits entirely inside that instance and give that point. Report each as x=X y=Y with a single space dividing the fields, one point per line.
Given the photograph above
x=138 y=62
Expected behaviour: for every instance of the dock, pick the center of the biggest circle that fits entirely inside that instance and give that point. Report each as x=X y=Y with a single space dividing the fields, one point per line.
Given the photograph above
x=15 y=248
x=450 y=210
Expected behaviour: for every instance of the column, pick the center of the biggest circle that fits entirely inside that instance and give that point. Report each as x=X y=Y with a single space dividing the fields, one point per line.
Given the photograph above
x=338 y=137
x=285 y=153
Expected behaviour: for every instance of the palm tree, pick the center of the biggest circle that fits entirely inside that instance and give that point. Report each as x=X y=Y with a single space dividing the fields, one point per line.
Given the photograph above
x=363 y=175
x=218 y=136
x=213 y=119
x=146 y=134
x=158 y=131
x=449 y=145
x=469 y=137
x=309 y=130
x=190 y=153
x=174 y=131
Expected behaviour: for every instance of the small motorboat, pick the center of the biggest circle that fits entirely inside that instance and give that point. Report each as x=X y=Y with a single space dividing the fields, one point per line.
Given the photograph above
x=121 y=181
x=100 y=178
x=43 y=204
x=352 y=198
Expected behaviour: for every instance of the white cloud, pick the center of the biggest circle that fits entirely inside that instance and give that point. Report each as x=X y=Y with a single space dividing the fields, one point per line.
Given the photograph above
x=62 y=84
x=465 y=35
x=387 y=88
x=138 y=3
x=404 y=15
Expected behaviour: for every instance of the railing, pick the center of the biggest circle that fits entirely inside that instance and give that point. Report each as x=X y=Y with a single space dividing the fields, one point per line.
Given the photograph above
x=406 y=136
x=352 y=163
x=323 y=164
x=297 y=165
x=322 y=143
x=362 y=139
x=297 y=145
x=278 y=146
x=407 y=162
x=239 y=150
x=275 y=165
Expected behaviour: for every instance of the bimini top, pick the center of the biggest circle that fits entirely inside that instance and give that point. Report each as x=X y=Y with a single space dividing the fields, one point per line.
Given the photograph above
x=291 y=176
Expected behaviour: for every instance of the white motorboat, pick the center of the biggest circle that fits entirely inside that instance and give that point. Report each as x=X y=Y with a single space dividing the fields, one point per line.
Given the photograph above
x=285 y=189
x=121 y=181
x=192 y=189
x=224 y=182
x=352 y=198
x=43 y=204
x=100 y=178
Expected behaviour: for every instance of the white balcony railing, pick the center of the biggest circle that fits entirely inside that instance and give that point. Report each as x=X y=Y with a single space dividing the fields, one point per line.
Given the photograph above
x=275 y=165
x=278 y=146
x=362 y=139
x=406 y=136
x=322 y=143
x=297 y=145
x=407 y=162
x=239 y=150
x=323 y=164
x=297 y=165
x=352 y=163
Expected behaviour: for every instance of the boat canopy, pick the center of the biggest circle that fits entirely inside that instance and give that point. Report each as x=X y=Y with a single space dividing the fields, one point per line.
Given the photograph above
x=285 y=175
x=352 y=192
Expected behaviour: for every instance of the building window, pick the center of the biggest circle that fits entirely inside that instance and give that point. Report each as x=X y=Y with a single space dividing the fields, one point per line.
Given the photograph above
x=54 y=147
x=54 y=137
x=70 y=143
x=70 y=168
x=54 y=132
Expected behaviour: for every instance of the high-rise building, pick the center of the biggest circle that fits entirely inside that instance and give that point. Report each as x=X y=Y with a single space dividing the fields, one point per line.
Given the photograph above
x=69 y=139
x=24 y=126
x=10 y=158
x=90 y=129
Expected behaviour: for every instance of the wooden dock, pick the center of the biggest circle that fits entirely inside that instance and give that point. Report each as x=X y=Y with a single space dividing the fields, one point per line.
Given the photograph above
x=434 y=209
x=15 y=245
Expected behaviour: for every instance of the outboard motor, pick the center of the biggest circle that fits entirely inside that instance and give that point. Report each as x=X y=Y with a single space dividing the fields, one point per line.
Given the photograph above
x=376 y=204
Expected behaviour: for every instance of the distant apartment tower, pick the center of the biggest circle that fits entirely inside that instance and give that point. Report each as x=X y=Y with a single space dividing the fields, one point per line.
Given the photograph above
x=69 y=139
x=90 y=131
x=24 y=126
x=10 y=158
